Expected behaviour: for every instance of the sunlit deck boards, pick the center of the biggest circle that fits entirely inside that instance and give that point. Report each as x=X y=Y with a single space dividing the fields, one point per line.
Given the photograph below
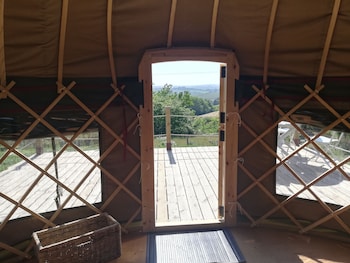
x=71 y=167
x=186 y=184
x=309 y=164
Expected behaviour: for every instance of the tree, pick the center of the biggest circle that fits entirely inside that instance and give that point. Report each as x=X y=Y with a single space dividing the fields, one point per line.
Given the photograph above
x=201 y=106
x=207 y=125
x=179 y=103
x=183 y=105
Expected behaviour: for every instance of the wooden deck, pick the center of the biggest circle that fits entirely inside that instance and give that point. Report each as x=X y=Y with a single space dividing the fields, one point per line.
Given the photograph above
x=186 y=183
x=310 y=164
x=71 y=167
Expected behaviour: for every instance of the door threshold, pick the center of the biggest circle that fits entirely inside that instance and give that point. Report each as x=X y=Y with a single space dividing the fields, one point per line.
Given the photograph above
x=197 y=224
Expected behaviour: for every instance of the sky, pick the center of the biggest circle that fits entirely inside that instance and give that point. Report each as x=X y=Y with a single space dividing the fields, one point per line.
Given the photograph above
x=185 y=73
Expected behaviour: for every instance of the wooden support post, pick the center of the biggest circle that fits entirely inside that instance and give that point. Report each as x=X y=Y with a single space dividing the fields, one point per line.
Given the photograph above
x=168 y=128
x=146 y=144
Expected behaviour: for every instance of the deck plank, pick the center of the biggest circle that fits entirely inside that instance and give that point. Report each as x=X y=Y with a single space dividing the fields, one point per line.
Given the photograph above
x=160 y=187
x=72 y=167
x=190 y=183
x=185 y=182
x=198 y=168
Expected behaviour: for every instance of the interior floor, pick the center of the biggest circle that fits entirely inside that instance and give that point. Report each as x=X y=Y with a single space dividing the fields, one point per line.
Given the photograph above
x=258 y=245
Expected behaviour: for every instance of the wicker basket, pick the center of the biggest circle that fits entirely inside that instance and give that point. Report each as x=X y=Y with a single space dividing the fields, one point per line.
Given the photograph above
x=92 y=239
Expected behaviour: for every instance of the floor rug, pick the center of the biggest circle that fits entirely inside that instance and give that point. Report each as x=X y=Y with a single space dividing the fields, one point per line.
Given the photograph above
x=192 y=247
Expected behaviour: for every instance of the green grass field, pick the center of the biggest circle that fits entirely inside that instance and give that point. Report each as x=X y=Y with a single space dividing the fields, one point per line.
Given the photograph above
x=188 y=141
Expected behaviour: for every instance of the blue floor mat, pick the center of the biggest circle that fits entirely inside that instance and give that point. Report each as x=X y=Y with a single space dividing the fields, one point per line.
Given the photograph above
x=192 y=247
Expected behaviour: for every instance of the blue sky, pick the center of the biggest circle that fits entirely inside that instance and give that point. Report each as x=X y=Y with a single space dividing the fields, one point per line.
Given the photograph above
x=185 y=73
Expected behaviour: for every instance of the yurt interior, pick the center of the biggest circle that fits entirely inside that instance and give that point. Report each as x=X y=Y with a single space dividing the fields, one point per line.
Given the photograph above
x=175 y=131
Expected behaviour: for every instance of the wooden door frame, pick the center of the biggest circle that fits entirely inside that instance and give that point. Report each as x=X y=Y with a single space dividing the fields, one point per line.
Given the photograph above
x=146 y=122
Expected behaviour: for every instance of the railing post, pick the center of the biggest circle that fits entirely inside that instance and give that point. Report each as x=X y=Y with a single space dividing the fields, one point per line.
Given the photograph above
x=168 y=128
x=39 y=147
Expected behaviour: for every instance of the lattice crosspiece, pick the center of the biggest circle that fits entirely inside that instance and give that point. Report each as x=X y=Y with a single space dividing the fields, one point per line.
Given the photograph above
x=284 y=158
x=45 y=173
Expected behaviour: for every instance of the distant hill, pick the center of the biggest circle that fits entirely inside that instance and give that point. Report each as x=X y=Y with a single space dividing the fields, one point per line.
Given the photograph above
x=210 y=91
x=211 y=114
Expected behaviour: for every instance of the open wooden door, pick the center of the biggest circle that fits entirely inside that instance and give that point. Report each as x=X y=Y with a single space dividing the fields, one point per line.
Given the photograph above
x=222 y=119
x=228 y=130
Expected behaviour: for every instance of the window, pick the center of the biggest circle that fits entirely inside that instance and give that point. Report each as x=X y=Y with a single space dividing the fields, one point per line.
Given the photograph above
x=28 y=174
x=313 y=163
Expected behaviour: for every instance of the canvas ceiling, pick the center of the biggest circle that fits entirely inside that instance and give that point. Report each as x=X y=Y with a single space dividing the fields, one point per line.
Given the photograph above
x=296 y=47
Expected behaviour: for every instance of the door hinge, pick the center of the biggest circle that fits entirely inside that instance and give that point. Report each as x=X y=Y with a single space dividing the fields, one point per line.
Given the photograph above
x=222 y=136
x=223 y=72
x=222 y=117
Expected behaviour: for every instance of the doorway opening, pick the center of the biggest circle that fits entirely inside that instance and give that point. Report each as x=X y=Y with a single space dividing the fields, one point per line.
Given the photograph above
x=186 y=106
x=226 y=139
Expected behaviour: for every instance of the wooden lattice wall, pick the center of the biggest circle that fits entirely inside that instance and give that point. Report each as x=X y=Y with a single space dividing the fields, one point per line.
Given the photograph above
x=115 y=115
x=258 y=162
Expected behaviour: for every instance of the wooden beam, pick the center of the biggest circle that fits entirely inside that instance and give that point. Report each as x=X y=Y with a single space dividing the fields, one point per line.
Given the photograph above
x=327 y=44
x=2 y=46
x=55 y=131
x=264 y=175
x=253 y=99
x=305 y=186
x=327 y=106
x=213 y=23
x=110 y=43
x=118 y=189
x=290 y=198
x=42 y=172
x=33 y=124
x=326 y=218
x=268 y=39
x=62 y=40
x=286 y=115
x=14 y=250
x=270 y=196
x=190 y=53
x=171 y=23
x=37 y=216
x=4 y=88
x=323 y=204
x=102 y=123
x=132 y=218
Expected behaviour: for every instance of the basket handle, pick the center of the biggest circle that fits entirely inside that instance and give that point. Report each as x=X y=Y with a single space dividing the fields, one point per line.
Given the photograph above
x=84 y=243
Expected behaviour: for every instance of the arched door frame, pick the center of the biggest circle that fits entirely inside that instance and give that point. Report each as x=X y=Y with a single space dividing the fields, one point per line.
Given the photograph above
x=229 y=120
